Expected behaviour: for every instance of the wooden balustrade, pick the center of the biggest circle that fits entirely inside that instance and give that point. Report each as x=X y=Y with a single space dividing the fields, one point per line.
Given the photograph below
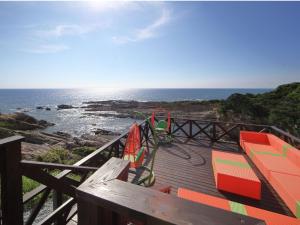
x=11 y=180
x=106 y=199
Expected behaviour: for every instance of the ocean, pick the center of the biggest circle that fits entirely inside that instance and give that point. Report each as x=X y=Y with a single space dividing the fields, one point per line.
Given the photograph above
x=73 y=121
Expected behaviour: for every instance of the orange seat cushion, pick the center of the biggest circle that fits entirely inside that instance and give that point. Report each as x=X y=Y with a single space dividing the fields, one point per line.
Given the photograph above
x=252 y=147
x=270 y=218
x=203 y=198
x=233 y=174
x=268 y=163
x=287 y=186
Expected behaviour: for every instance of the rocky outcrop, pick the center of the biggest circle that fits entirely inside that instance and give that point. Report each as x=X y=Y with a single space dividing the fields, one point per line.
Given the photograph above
x=63 y=106
x=22 y=121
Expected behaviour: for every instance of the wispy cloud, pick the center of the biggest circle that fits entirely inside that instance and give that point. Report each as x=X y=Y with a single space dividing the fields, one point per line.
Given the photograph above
x=147 y=32
x=67 y=30
x=50 y=36
x=47 y=48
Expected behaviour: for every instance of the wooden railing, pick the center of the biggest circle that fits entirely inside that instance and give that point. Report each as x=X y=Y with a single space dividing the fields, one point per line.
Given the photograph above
x=106 y=198
x=12 y=168
x=223 y=132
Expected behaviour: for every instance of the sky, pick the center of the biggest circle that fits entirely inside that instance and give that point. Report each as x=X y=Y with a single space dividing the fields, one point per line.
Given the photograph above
x=149 y=44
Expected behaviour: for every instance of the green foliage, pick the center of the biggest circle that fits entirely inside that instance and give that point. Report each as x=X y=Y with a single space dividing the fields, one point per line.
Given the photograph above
x=6 y=124
x=59 y=155
x=83 y=151
x=280 y=107
x=29 y=184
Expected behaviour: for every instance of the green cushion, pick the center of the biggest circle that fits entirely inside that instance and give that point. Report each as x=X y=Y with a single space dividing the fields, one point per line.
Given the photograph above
x=232 y=163
x=238 y=208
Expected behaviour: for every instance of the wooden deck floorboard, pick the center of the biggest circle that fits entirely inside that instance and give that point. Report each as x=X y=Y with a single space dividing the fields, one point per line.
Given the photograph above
x=187 y=163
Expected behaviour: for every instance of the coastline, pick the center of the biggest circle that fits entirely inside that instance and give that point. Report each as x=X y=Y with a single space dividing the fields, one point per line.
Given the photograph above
x=39 y=141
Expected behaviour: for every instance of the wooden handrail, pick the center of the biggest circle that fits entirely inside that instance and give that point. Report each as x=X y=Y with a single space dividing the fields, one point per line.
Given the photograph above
x=286 y=134
x=148 y=206
x=45 y=165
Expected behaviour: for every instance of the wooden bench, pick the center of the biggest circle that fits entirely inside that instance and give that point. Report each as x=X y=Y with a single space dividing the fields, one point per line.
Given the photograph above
x=233 y=174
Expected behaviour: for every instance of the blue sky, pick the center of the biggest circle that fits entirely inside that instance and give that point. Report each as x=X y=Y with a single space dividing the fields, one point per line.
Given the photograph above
x=149 y=44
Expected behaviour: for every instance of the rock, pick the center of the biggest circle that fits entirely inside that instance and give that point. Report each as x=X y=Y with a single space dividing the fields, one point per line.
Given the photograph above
x=22 y=121
x=103 y=132
x=63 y=106
x=63 y=134
x=25 y=118
x=31 y=151
x=45 y=124
x=48 y=109
x=71 y=145
x=39 y=107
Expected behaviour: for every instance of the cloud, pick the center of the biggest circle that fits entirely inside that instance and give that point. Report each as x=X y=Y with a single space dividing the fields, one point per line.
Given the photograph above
x=48 y=48
x=147 y=32
x=67 y=30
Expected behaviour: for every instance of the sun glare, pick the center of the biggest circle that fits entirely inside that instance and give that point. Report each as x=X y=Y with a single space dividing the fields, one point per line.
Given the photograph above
x=101 y=5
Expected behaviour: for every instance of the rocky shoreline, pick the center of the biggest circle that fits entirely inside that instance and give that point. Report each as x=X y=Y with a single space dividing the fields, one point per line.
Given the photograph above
x=38 y=142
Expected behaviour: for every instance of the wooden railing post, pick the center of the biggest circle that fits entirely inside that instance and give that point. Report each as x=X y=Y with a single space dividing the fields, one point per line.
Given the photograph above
x=11 y=180
x=214 y=132
x=191 y=129
x=90 y=213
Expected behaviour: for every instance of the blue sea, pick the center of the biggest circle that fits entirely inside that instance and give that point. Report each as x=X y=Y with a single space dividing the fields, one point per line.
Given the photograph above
x=76 y=123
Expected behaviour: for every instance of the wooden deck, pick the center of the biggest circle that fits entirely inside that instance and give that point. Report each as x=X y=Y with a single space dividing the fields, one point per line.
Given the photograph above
x=187 y=163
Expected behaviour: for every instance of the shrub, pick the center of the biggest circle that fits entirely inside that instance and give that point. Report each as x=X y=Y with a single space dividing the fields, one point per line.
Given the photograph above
x=58 y=155
x=83 y=151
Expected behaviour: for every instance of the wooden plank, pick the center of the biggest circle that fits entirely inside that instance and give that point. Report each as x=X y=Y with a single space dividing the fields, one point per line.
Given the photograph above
x=286 y=134
x=11 y=181
x=38 y=207
x=113 y=169
x=49 y=180
x=10 y=140
x=58 y=212
x=153 y=207
x=42 y=165
x=89 y=213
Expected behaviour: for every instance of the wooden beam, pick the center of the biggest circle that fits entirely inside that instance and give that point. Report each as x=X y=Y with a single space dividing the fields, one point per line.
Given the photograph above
x=38 y=207
x=43 y=165
x=11 y=180
x=113 y=169
x=58 y=212
x=180 y=127
x=90 y=213
x=295 y=139
x=202 y=130
x=49 y=180
x=152 y=207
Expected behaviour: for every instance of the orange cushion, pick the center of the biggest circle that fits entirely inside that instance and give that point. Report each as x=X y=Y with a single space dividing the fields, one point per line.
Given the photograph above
x=269 y=217
x=254 y=137
x=249 y=147
x=233 y=174
x=268 y=163
x=288 y=187
x=203 y=198
x=292 y=153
